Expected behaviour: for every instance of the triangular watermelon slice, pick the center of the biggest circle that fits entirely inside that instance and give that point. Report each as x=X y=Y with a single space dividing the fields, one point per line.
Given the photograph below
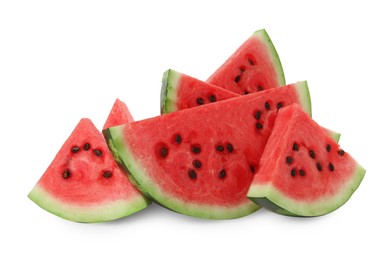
x=83 y=183
x=253 y=67
x=119 y=115
x=201 y=161
x=303 y=172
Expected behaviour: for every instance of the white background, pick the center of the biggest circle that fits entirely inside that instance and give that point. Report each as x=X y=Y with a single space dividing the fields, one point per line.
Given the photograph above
x=64 y=60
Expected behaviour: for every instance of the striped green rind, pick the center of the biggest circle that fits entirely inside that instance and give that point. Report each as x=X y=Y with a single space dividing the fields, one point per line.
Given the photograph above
x=304 y=96
x=168 y=95
x=132 y=163
x=100 y=212
x=267 y=196
x=262 y=34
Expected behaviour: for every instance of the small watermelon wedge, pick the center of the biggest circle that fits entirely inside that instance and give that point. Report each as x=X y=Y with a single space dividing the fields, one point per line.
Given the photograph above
x=83 y=183
x=201 y=161
x=253 y=67
x=303 y=172
x=119 y=115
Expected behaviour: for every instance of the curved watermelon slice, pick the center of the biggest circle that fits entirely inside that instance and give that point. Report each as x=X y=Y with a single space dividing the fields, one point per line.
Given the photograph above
x=303 y=172
x=201 y=161
x=253 y=67
x=83 y=183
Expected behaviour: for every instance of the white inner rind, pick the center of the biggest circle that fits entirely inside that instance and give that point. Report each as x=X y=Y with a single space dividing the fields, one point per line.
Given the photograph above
x=87 y=213
x=321 y=206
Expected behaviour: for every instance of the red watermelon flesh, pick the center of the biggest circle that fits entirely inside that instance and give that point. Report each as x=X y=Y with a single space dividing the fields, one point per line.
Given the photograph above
x=201 y=161
x=303 y=172
x=84 y=184
x=119 y=115
x=254 y=66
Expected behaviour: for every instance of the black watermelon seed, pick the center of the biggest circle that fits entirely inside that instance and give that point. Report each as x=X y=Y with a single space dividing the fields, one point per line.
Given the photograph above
x=229 y=148
x=259 y=126
x=86 y=146
x=212 y=98
x=312 y=154
x=341 y=152
x=196 y=149
x=237 y=78
x=331 y=167
x=242 y=68
x=98 y=152
x=279 y=105
x=289 y=159
x=251 y=62
x=222 y=174
x=178 y=139
x=319 y=166
x=163 y=152
x=267 y=106
x=258 y=114
x=197 y=164
x=107 y=174
x=259 y=88
x=75 y=149
x=293 y=172
x=66 y=174
x=252 y=168
x=246 y=92
x=200 y=101
x=295 y=147
x=328 y=148
x=192 y=174
x=220 y=148
x=302 y=172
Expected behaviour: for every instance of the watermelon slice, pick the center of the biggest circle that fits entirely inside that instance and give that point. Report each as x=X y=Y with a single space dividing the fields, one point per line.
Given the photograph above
x=201 y=161
x=254 y=66
x=119 y=115
x=303 y=172
x=83 y=183
x=180 y=91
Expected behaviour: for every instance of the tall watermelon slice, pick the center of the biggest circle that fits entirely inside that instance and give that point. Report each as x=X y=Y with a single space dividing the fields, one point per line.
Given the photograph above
x=83 y=183
x=303 y=172
x=201 y=161
x=254 y=66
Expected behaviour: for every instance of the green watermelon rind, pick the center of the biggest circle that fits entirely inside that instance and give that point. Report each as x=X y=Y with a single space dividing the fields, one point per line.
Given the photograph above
x=196 y=210
x=97 y=212
x=168 y=94
x=267 y=196
x=262 y=34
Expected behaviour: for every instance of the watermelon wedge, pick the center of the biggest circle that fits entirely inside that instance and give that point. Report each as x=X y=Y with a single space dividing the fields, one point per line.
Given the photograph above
x=303 y=172
x=253 y=67
x=83 y=183
x=119 y=115
x=201 y=161
x=180 y=91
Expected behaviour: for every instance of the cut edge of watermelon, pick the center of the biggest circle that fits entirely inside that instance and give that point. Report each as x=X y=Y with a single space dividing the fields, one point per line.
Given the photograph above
x=269 y=197
x=153 y=191
x=87 y=214
x=168 y=93
x=262 y=34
